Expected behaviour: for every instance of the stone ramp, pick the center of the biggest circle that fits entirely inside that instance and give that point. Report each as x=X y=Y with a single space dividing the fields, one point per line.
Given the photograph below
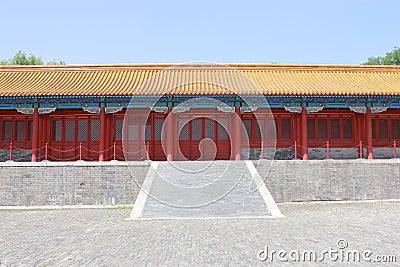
x=204 y=189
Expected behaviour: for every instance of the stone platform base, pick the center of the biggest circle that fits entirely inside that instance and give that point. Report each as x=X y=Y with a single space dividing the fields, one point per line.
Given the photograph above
x=111 y=183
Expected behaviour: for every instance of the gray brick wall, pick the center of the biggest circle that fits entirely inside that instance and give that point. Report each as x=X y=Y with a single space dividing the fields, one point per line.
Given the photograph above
x=70 y=183
x=384 y=153
x=255 y=153
x=107 y=183
x=278 y=153
x=360 y=179
x=318 y=153
x=18 y=155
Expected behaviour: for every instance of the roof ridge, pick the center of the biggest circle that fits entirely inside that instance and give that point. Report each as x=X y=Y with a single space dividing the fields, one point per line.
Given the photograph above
x=201 y=66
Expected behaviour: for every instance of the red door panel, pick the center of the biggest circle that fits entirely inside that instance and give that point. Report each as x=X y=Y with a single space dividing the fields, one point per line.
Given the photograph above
x=203 y=137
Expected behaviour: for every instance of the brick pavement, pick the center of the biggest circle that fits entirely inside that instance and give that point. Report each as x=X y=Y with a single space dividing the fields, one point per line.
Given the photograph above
x=102 y=237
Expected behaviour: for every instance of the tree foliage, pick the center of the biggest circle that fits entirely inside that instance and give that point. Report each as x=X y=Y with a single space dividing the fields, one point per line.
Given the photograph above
x=56 y=62
x=21 y=58
x=391 y=58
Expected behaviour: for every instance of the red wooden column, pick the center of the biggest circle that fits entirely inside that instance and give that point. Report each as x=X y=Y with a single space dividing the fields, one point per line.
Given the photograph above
x=35 y=135
x=169 y=135
x=297 y=117
x=360 y=126
x=266 y=140
x=42 y=134
x=102 y=134
x=108 y=142
x=368 y=126
x=304 y=133
x=237 y=135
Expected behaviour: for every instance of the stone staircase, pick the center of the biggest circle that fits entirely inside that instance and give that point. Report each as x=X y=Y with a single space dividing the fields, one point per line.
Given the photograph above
x=204 y=189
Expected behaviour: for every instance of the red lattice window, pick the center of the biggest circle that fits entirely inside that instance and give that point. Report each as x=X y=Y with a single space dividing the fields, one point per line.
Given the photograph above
x=118 y=129
x=147 y=132
x=347 y=129
x=183 y=129
x=133 y=132
x=311 y=128
x=6 y=132
x=373 y=129
x=383 y=129
x=272 y=131
x=30 y=128
x=56 y=130
x=322 y=129
x=82 y=130
x=223 y=129
x=395 y=129
x=247 y=129
x=19 y=130
x=330 y=128
x=69 y=130
x=95 y=130
x=209 y=128
x=286 y=129
x=335 y=129
x=196 y=129
x=158 y=126
x=260 y=128
x=386 y=129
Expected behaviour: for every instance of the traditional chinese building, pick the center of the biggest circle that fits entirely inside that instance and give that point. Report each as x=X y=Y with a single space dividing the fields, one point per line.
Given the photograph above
x=64 y=113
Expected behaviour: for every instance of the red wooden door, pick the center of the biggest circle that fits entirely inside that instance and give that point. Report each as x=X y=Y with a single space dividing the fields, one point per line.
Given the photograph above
x=157 y=136
x=140 y=139
x=203 y=138
x=223 y=139
x=135 y=137
x=74 y=137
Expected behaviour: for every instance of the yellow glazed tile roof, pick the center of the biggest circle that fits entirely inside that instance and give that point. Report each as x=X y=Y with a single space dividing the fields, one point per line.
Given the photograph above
x=199 y=79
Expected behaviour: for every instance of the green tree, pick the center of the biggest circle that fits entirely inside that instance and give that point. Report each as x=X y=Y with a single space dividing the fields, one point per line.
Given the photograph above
x=56 y=62
x=391 y=58
x=21 y=58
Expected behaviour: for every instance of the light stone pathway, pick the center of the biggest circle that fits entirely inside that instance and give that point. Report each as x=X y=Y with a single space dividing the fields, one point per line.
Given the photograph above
x=203 y=189
x=102 y=237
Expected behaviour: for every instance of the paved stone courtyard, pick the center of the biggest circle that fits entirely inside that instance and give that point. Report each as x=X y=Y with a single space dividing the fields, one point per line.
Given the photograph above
x=102 y=237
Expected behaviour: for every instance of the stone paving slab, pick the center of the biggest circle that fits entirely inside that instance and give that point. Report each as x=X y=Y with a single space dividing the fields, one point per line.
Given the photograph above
x=202 y=190
x=103 y=237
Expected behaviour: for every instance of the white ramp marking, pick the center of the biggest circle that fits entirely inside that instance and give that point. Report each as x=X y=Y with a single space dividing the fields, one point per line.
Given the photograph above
x=144 y=191
x=264 y=192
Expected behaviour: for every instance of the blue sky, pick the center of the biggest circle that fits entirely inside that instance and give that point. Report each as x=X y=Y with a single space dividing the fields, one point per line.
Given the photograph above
x=96 y=32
